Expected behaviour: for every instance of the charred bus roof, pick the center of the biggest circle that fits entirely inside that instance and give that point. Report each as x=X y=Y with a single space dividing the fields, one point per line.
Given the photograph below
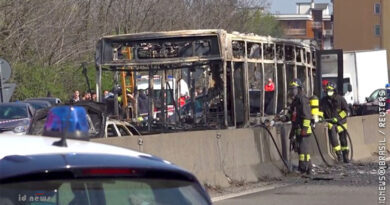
x=151 y=48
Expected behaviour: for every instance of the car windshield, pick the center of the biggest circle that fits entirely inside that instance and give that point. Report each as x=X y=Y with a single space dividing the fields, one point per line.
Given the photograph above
x=12 y=112
x=102 y=192
x=374 y=95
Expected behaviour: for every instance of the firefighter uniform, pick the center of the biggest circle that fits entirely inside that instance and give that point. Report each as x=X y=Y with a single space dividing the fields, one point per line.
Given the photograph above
x=335 y=108
x=300 y=116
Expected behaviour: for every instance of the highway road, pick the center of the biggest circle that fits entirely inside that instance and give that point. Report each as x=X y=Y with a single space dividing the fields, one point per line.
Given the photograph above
x=345 y=185
x=309 y=194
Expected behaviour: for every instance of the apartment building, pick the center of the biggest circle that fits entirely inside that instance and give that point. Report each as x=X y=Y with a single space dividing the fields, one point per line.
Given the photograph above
x=311 y=21
x=362 y=25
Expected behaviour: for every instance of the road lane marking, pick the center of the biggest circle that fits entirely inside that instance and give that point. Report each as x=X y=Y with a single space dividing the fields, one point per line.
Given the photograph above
x=252 y=191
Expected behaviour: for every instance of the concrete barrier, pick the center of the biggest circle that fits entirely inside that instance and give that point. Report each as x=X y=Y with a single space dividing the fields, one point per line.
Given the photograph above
x=223 y=157
x=216 y=157
x=366 y=135
x=321 y=131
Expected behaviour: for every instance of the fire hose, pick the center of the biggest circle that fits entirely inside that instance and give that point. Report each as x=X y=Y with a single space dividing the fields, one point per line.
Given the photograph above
x=346 y=132
x=293 y=145
x=318 y=146
x=316 y=140
x=274 y=142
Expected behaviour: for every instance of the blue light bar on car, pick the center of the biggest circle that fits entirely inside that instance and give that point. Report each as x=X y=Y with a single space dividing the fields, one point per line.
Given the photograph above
x=68 y=122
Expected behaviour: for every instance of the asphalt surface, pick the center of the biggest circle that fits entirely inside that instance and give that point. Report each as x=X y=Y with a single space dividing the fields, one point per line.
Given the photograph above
x=309 y=194
x=342 y=184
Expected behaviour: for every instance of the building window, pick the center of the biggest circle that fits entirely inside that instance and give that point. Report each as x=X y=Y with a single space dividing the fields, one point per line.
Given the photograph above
x=377 y=8
x=377 y=30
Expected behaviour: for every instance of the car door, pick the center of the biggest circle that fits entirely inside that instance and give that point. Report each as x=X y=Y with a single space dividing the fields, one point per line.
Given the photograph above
x=133 y=130
x=30 y=111
x=123 y=131
x=111 y=131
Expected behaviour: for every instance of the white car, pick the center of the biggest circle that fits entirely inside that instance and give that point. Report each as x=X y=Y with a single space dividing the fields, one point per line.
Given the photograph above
x=116 y=128
x=34 y=171
x=56 y=170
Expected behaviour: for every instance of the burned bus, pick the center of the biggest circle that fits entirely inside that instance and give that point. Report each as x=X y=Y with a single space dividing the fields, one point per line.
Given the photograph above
x=219 y=77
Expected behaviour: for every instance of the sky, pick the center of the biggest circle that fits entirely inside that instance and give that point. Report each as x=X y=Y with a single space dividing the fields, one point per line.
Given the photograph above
x=288 y=6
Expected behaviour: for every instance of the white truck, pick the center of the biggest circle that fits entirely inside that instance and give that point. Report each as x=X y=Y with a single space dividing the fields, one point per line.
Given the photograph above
x=364 y=72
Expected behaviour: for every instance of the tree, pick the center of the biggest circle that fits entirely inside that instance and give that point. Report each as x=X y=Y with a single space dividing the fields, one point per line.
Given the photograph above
x=263 y=24
x=46 y=40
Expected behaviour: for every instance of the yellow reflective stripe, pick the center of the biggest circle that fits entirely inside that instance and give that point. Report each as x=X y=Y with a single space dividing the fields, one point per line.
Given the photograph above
x=315 y=111
x=337 y=148
x=308 y=157
x=343 y=114
x=330 y=88
x=314 y=102
x=301 y=157
x=344 y=148
x=340 y=128
x=330 y=125
x=321 y=114
x=294 y=84
x=309 y=131
x=306 y=123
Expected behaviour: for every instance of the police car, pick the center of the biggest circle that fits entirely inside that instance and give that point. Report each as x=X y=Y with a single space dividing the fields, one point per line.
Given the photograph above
x=37 y=170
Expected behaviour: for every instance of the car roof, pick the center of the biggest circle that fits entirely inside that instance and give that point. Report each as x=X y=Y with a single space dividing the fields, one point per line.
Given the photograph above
x=33 y=145
x=38 y=101
x=16 y=103
x=35 y=151
x=52 y=100
x=44 y=98
x=116 y=121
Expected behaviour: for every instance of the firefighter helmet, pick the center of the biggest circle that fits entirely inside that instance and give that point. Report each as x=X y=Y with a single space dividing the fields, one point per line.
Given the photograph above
x=295 y=83
x=330 y=86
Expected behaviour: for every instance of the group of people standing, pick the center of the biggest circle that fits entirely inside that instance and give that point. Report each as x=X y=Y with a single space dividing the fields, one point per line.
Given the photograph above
x=87 y=96
x=331 y=107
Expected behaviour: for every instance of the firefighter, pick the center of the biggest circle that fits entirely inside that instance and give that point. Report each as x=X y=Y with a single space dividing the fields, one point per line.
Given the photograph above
x=335 y=108
x=127 y=112
x=300 y=116
x=130 y=97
